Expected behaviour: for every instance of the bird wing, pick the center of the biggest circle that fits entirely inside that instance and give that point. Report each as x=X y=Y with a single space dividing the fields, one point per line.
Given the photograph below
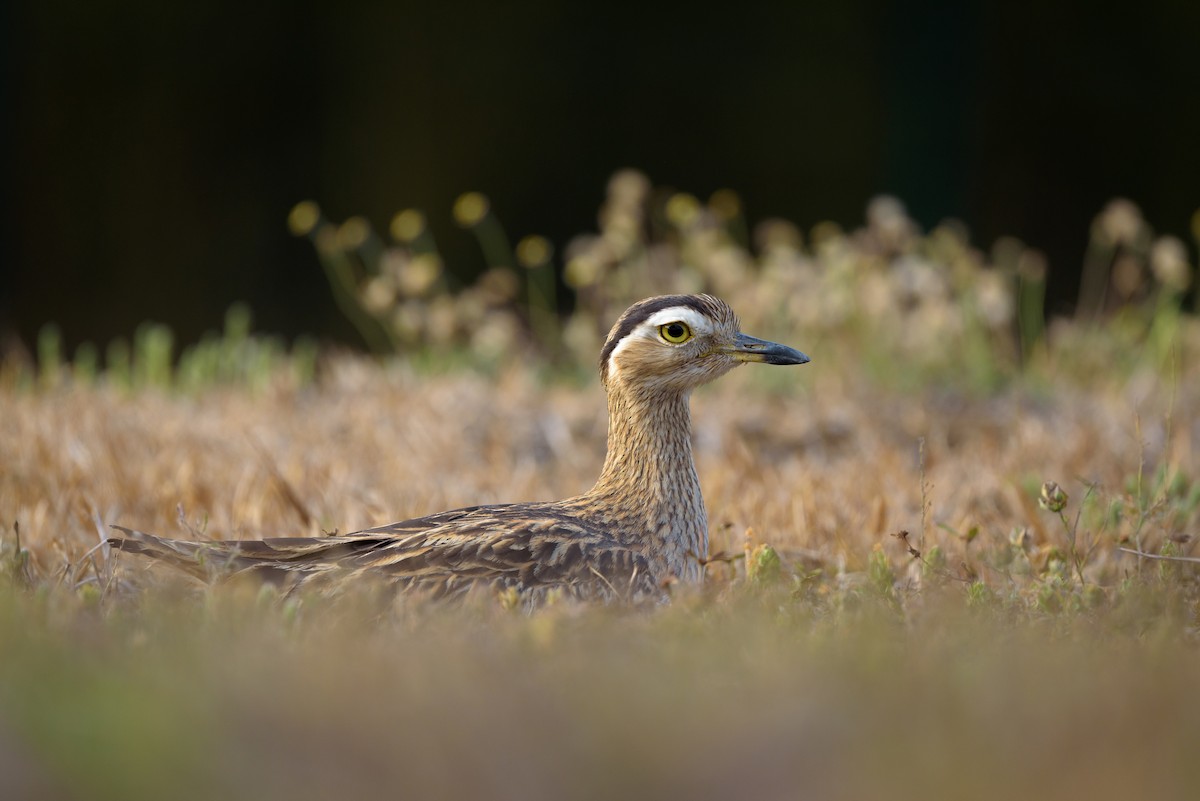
x=532 y=548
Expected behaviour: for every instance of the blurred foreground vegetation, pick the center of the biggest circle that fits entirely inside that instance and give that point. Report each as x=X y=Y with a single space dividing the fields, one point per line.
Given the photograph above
x=954 y=556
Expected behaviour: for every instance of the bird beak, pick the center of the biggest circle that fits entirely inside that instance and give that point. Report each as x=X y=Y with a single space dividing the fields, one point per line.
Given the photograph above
x=746 y=348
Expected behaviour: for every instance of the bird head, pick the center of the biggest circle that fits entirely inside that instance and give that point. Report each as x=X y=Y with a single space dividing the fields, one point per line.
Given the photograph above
x=678 y=342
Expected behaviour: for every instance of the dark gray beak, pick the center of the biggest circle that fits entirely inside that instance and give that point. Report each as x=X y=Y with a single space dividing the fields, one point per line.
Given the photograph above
x=746 y=348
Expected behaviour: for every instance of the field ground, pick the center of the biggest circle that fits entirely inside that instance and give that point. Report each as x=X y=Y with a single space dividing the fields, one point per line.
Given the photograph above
x=955 y=555
x=998 y=668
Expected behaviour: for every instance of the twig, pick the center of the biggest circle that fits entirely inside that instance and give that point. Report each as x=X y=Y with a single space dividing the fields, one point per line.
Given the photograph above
x=924 y=497
x=916 y=554
x=719 y=556
x=1163 y=557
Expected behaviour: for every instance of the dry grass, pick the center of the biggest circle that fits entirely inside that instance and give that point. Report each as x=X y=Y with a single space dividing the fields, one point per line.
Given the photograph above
x=861 y=676
x=818 y=463
x=1022 y=654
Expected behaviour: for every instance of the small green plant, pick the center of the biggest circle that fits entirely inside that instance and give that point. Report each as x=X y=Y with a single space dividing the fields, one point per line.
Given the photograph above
x=1054 y=500
x=15 y=564
x=979 y=596
x=763 y=566
x=880 y=576
x=233 y=356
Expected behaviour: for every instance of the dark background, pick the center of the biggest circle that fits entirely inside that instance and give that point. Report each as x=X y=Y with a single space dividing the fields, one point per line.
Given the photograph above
x=152 y=150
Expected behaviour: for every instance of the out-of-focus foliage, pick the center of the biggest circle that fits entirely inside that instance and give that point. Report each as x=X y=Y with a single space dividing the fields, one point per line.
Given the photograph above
x=885 y=293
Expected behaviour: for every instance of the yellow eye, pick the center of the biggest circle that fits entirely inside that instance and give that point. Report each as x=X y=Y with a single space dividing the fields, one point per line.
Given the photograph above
x=675 y=333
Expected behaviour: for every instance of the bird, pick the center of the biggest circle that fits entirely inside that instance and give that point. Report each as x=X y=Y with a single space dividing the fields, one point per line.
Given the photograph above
x=640 y=529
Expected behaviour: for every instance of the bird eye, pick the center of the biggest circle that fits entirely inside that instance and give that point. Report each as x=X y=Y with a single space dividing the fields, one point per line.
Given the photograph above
x=675 y=333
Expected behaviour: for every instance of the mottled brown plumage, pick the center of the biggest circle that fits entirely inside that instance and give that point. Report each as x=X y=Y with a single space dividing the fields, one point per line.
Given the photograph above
x=641 y=526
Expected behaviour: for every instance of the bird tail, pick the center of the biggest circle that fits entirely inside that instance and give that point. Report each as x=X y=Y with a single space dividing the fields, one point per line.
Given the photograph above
x=284 y=560
x=203 y=560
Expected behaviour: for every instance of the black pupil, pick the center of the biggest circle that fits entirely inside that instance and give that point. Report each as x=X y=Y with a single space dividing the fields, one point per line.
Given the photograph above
x=675 y=330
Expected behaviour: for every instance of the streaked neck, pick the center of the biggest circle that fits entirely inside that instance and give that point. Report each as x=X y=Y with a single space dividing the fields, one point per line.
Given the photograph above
x=649 y=479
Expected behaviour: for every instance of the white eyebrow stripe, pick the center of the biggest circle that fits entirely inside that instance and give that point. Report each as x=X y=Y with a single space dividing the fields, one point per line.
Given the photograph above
x=699 y=323
x=648 y=329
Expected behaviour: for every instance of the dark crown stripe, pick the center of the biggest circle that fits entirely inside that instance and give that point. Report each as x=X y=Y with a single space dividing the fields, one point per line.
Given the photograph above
x=640 y=312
